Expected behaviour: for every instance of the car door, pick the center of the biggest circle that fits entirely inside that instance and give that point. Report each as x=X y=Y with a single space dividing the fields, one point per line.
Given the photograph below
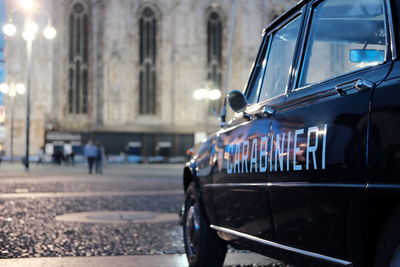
x=385 y=121
x=240 y=183
x=319 y=135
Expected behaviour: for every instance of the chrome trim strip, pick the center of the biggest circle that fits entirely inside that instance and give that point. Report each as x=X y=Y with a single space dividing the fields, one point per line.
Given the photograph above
x=383 y=186
x=238 y=185
x=293 y=184
x=389 y=17
x=305 y=184
x=284 y=247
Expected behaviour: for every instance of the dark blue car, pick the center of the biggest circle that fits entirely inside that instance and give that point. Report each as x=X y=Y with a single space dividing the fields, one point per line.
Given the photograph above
x=308 y=169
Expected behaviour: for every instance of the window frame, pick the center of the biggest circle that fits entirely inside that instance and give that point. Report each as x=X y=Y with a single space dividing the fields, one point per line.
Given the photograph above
x=214 y=65
x=392 y=8
x=297 y=10
x=214 y=59
x=253 y=73
x=148 y=107
x=305 y=42
x=298 y=13
x=78 y=78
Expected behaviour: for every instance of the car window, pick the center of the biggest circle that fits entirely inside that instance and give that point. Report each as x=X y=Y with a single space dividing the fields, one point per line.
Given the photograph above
x=280 y=58
x=344 y=36
x=255 y=82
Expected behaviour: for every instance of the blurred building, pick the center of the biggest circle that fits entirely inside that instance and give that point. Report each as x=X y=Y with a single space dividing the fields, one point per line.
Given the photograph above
x=2 y=78
x=124 y=72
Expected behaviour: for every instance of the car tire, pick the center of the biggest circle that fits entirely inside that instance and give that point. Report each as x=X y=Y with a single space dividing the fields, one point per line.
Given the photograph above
x=203 y=247
x=388 y=252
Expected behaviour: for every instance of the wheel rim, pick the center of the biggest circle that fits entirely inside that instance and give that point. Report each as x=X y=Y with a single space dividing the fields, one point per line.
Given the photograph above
x=396 y=258
x=192 y=229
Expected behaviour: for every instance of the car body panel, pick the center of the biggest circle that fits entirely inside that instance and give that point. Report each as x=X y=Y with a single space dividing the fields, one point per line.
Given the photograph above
x=236 y=179
x=310 y=204
x=385 y=124
x=329 y=178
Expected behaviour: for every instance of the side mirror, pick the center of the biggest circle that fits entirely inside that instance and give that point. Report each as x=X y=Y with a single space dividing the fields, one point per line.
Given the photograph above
x=237 y=101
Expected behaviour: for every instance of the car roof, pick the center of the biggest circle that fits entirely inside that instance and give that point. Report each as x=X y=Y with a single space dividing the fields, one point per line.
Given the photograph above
x=286 y=14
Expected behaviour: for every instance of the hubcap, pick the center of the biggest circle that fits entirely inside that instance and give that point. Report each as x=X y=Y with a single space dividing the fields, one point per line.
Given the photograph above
x=192 y=227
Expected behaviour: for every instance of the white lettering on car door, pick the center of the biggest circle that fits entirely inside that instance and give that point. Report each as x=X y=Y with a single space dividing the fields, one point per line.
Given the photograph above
x=306 y=149
x=263 y=154
x=245 y=155
x=279 y=147
x=312 y=149
x=253 y=161
x=296 y=150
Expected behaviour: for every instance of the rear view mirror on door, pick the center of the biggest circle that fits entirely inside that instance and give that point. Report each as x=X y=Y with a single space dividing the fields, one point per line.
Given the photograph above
x=366 y=55
x=237 y=101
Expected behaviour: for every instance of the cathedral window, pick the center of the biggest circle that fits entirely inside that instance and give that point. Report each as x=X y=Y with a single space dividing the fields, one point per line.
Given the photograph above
x=148 y=53
x=78 y=59
x=214 y=52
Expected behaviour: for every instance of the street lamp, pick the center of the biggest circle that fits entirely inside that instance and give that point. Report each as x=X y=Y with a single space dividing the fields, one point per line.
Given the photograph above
x=9 y=29
x=27 y=4
x=12 y=91
x=206 y=95
x=29 y=34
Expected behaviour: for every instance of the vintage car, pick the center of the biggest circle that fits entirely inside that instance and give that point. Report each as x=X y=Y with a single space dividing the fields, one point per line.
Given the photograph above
x=307 y=171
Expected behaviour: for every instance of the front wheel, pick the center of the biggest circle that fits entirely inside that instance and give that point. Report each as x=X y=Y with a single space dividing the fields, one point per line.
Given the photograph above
x=202 y=245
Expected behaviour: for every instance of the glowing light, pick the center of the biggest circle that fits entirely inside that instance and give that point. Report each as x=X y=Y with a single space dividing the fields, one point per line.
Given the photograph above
x=29 y=36
x=27 y=4
x=49 y=32
x=214 y=94
x=12 y=93
x=31 y=27
x=4 y=88
x=20 y=88
x=200 y=94
x=9 y=29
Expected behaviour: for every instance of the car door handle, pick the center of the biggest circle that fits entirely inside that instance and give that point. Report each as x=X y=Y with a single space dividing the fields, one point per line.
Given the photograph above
x=265 y=112
x=268 y=110
x=360 y=85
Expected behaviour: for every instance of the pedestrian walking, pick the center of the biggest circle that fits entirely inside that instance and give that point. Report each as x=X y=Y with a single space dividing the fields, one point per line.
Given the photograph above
x=101 y=156
x=91 y=152
x=67 y=153
x=58 y=155
x=72 y=157
x=41 y=155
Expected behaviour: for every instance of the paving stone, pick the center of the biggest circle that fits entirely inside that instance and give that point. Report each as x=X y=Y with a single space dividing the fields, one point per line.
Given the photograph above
x=30 y=229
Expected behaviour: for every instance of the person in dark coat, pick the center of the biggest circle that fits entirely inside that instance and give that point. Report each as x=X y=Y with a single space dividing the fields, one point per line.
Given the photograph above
x=91 y=153
x=101 y=156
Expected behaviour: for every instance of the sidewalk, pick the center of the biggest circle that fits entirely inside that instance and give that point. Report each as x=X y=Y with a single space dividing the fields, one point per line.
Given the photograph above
x=16 y=169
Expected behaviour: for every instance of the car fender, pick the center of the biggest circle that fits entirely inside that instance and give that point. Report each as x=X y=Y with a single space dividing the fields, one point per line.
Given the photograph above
x=190 y=174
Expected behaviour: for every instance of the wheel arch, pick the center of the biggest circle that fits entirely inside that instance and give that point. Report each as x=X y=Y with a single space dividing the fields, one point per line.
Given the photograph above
x=189 y=175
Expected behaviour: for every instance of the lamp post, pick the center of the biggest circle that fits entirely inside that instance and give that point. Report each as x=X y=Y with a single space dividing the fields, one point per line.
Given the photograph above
x=206 y=95
x=12 y=91
x=29 y=35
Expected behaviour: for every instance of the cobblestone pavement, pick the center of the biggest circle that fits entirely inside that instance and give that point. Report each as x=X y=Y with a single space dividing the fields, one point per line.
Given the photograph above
x=29 y=227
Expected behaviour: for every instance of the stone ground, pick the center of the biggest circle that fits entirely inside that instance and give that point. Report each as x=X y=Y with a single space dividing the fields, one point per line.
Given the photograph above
x=31 y=234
